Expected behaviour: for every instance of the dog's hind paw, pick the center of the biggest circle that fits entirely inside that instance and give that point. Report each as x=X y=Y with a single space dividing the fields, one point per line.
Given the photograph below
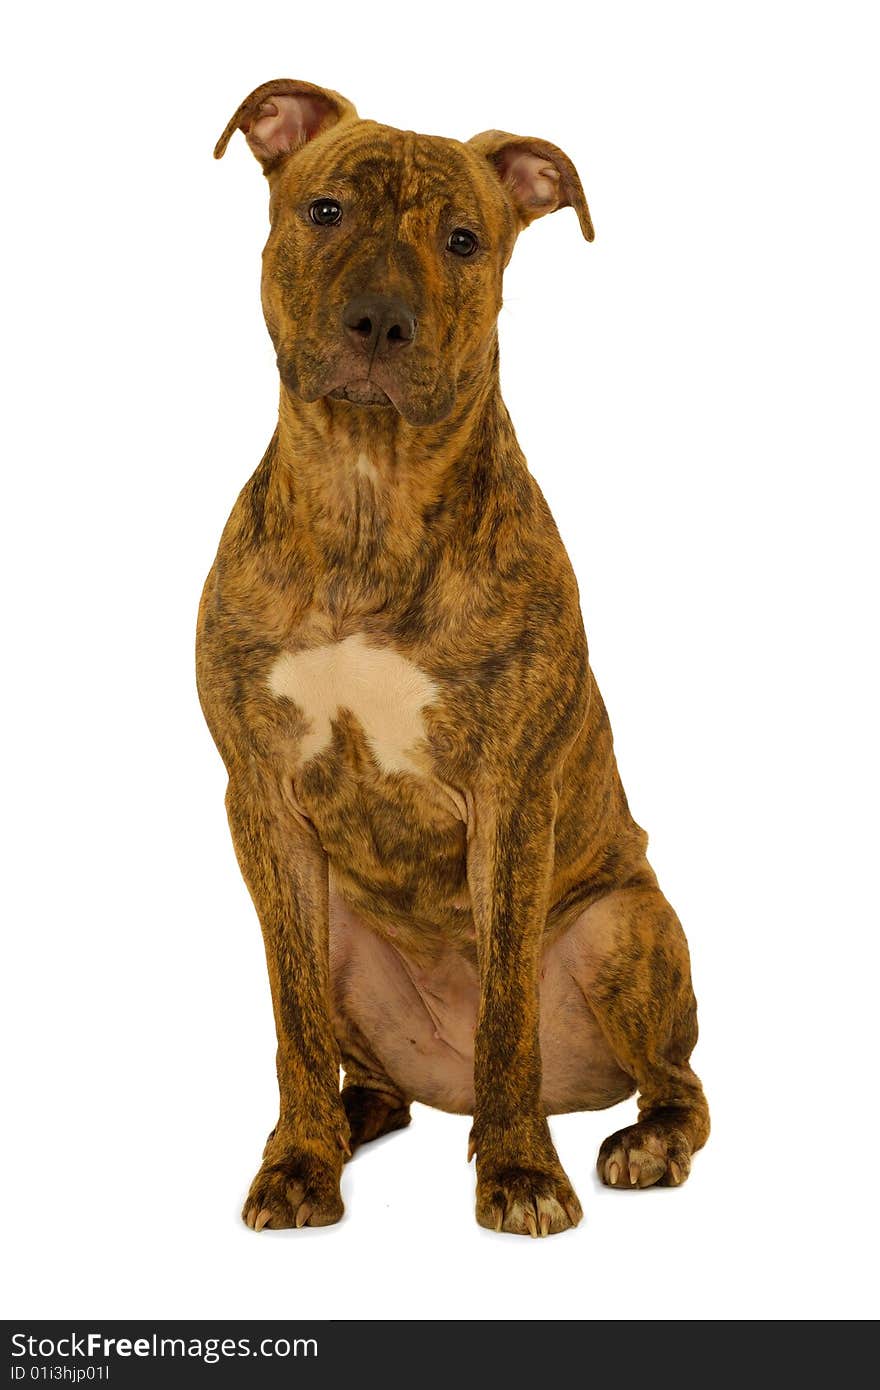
x=644 y=1155
x=371 y=1114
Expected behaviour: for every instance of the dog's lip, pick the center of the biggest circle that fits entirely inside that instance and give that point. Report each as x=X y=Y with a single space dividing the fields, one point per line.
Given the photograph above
x=360 y=391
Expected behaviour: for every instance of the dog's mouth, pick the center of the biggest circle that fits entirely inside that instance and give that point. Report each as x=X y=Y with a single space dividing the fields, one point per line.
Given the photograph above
x=420 y=396
x=361 y=392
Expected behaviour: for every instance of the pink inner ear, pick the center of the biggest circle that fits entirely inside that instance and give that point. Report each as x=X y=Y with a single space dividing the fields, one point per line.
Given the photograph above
x=283 y=122
x=532 y=180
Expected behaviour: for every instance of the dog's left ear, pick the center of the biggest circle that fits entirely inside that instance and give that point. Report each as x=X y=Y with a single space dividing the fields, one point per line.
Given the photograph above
x=538 y=177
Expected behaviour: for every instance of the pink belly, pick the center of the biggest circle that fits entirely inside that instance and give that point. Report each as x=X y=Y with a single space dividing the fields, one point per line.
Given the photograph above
x=418 y=1021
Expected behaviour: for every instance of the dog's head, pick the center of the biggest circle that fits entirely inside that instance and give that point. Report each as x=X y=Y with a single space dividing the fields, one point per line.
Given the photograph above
x=382 y=272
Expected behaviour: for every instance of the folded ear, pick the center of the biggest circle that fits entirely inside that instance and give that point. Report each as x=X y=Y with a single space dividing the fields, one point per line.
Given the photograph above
x=282 y=115
x=538 y=177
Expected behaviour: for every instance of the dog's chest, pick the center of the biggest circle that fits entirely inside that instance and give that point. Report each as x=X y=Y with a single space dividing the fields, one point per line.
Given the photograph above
x=356 y=681
x=360 y=727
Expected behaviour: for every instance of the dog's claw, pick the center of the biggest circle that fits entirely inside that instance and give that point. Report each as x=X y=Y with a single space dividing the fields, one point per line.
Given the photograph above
x=499 y=1218
x=472 y=1149
x=343 y=1144
x=530 y=1221
x=635 y=1170
x=572 y=1212
x=674 y=1172
x=264 y=1217
x=303 y=1214
x=613 y=1173
x=545 y=1223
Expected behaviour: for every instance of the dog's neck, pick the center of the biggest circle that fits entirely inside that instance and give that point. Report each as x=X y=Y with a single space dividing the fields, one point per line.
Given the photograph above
x=366 y=485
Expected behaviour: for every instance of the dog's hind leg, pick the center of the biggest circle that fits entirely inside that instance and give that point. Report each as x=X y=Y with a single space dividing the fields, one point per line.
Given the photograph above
x=373 y=1103
x=630 y=957
x=372 y=1113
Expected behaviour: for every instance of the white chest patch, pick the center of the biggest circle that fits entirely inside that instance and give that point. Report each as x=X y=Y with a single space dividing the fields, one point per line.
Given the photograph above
x=383 y=690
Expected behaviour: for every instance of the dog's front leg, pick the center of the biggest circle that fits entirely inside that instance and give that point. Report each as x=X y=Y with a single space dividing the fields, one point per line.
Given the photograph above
x=521 y=1185
x=285 y=869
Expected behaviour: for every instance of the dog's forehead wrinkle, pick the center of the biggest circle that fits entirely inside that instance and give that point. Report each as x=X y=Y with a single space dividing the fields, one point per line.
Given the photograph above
x=411 y=169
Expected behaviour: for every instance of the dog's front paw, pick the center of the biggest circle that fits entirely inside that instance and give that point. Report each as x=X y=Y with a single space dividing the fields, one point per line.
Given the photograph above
x=294 y=1188
x=526 y=1201
x=645 y=1155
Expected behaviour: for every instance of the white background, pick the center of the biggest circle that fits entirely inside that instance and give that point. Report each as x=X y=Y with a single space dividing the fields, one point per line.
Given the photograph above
x=696 y=393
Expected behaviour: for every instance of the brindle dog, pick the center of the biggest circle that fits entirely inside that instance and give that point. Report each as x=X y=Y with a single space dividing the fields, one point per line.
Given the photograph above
x=423 y=794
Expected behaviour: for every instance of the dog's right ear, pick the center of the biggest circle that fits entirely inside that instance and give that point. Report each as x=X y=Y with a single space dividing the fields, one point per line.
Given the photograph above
x=282 y=115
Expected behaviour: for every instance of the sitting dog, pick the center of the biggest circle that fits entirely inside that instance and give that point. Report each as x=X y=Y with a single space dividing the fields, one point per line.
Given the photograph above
x=423 y=795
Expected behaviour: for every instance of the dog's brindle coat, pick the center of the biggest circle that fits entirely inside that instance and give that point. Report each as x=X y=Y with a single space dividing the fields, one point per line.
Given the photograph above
x=423 y=794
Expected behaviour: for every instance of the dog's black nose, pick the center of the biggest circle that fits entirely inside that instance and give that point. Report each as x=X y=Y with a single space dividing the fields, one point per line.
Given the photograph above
x=379 y=323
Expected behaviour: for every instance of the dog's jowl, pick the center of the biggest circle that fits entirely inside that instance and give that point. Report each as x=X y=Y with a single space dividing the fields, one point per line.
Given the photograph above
x=423 y=796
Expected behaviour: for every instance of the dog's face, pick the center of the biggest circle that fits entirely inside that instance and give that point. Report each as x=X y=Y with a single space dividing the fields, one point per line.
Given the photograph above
x=382 y=272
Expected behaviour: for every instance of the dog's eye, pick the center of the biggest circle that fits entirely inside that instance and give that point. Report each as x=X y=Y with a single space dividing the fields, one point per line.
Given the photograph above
x=326 y=212
x=462 y=242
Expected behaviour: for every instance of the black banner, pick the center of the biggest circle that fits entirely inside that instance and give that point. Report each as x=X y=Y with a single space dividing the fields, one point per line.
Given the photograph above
x=93 y=1353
